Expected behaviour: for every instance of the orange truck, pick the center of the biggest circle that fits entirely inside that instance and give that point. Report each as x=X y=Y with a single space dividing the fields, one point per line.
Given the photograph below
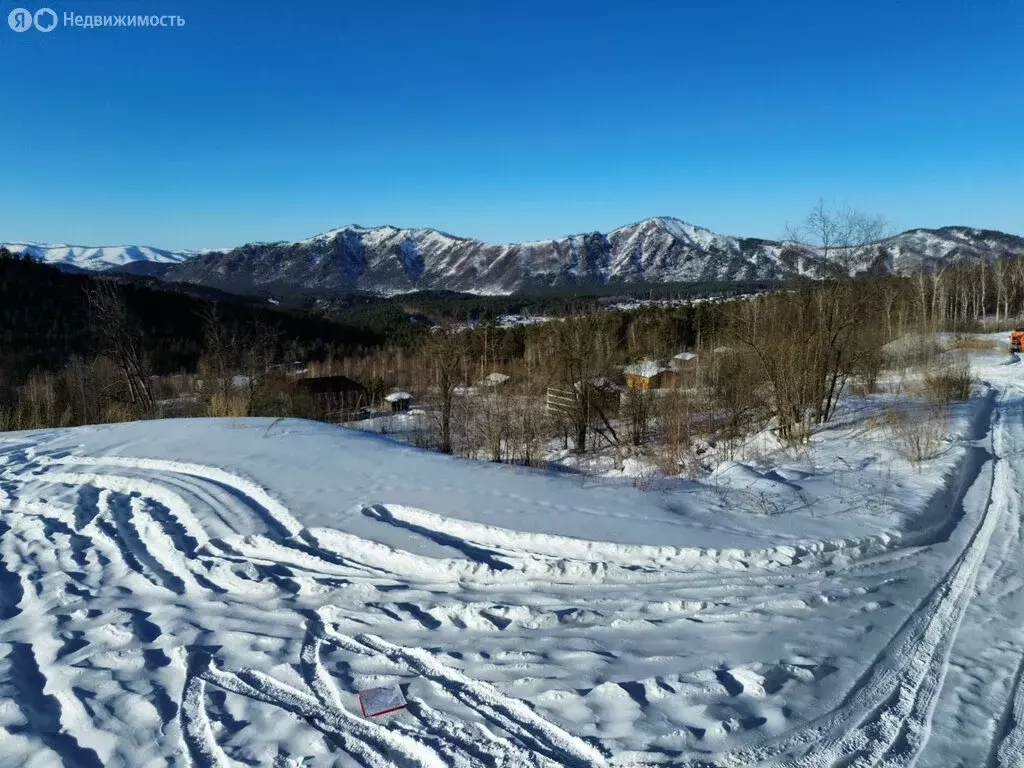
x=1016 y=340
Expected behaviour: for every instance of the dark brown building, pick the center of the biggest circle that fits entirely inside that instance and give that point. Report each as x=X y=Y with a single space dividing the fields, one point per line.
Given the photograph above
x=334 y=398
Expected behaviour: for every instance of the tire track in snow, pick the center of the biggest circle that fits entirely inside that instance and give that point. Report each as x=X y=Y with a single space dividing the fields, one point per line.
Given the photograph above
x=352 y=732
x=1007 y=749
x=186 y=523
x=43 y=711
x=323 y=687
x=457 y=743
x=510 y=714
x=12 y=592
x=878 y=741
x=254 y=495
x=885 y=719
x=196 y=729
x=497 y=708
x=117 y=519
x=1008 y=742
x=488 y=544
x=460 y=743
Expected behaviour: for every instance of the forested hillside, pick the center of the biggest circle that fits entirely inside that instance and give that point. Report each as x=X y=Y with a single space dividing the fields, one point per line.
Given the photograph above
x=44 y=321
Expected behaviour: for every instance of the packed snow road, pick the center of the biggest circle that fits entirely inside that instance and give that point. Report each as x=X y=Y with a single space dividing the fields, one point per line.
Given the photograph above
x=215 y=593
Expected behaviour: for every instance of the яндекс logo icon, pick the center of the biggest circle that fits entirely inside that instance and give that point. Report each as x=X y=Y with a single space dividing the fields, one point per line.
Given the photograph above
x=20 y=20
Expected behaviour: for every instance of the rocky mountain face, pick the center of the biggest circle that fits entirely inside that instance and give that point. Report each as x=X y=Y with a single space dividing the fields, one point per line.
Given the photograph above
x=657 y=250
x=389 y=260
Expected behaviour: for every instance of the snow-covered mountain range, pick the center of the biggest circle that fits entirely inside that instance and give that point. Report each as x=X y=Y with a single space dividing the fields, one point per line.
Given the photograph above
x=655 y=250
x=95 y=258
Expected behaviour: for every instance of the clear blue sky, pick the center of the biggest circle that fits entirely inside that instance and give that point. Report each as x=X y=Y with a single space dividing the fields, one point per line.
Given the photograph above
x=508 y=120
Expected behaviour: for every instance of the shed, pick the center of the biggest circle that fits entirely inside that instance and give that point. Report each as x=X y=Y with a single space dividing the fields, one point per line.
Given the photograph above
x=648 y=374
x=399 y=401
x=334 y=396
x=685 y=369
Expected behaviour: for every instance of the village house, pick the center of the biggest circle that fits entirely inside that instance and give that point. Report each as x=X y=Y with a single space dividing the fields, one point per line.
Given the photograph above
x=398 y=401
x=334 y=398
x=685 y=366
x=684 y=361
x=648 y=374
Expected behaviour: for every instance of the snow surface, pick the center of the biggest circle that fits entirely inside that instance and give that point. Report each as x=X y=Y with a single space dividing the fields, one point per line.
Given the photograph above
x=213 y=592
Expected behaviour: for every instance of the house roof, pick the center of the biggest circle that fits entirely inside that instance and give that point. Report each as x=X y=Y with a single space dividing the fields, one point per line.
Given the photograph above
x=394 y=397
x=685 y=356
x=647 y=369
x=496 y=378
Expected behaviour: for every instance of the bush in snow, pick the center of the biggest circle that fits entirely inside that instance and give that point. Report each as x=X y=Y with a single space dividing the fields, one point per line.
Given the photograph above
x=949 y=381
x=919 y=434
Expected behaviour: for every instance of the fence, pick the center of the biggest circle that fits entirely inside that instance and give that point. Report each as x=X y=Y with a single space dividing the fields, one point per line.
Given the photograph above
x=559 y=401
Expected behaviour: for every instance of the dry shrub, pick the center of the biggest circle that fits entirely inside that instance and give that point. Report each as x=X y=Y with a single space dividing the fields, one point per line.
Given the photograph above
x=919 y=434
x=949 y=382
x=116 y=413
x=912 y=350
x=231 y=404
x=867 y=367
x=8 y=417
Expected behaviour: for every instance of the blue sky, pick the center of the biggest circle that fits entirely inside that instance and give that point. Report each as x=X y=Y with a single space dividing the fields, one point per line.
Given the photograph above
x=508 y=121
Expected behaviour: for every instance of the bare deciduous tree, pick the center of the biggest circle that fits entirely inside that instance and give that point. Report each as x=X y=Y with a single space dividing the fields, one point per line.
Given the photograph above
x=120 y=338
x=582 y=362
x=805 y=340
x=446 y=350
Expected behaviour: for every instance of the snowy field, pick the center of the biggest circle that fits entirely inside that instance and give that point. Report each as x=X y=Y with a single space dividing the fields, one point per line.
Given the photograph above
x=216 y=592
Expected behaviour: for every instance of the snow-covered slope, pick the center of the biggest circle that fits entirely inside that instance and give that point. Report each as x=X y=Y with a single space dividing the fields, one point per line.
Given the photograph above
x=212 y=592
x=663 y=249
x=99 y=257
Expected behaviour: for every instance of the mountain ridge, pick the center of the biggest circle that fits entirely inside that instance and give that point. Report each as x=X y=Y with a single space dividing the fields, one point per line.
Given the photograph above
x=393 y=260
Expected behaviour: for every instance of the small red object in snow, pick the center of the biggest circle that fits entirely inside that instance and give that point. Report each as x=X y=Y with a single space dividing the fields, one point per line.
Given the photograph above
x=380 y=701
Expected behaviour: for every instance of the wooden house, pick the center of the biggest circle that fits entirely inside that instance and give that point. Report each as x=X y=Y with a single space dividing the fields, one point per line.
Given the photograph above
x=648 y=374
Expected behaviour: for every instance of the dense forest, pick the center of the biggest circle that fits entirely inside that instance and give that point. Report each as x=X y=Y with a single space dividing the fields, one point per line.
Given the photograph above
x=45 y=321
